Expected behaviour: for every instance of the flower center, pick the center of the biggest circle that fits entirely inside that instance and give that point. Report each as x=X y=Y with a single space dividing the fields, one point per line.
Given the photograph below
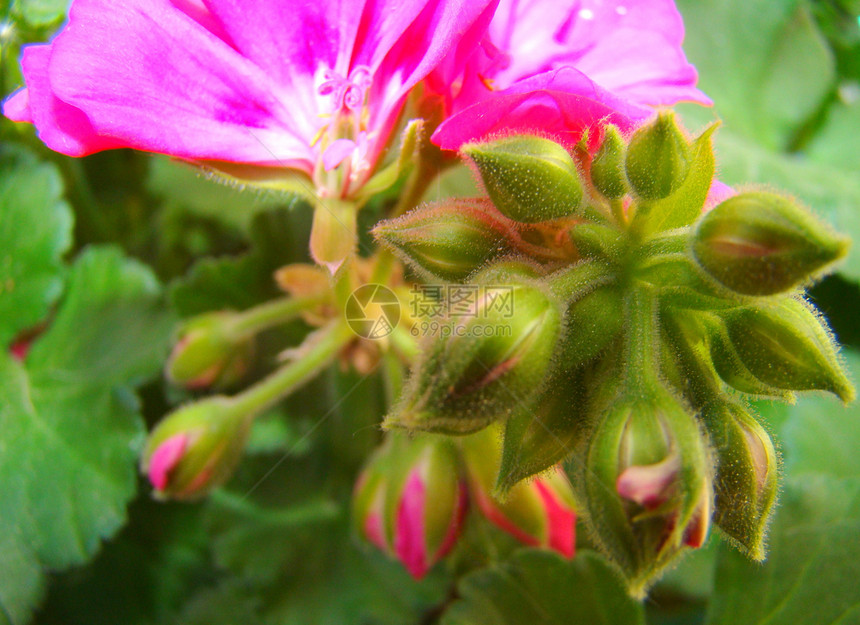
x=344 y=140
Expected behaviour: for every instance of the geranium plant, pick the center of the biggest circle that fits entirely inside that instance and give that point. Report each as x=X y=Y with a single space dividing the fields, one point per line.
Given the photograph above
x=429 y=311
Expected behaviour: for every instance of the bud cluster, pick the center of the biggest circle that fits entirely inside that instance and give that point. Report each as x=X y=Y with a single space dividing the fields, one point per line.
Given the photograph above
x=411 y=499
x=642 y=325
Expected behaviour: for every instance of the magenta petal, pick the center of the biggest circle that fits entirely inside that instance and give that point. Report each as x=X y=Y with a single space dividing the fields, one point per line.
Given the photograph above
x=718 y=192
x=164 y=458
x=561 y=521
x=337 y=152
x=62 y=127
x=560 y=103
x=648 y=485
x=409 y=532
x=170 y=85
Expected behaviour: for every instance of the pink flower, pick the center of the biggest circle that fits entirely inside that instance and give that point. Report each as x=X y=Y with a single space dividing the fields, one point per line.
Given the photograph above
x=559 y=66
x=305 y=85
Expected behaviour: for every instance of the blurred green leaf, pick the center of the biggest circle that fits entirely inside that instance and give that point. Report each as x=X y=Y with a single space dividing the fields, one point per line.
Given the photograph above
x=836 y=143
x=810 y=575
x=35 y=232
x=765 y=64
x=41 y=12
x=278 y=237
x=822 y=436
x=70 y=422
x=541 y=588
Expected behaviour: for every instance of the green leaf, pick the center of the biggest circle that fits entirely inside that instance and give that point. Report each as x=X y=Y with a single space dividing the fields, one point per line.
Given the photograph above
x=41 y=12
x=836 y=142
x=765 y=64
x=540 y=587
x=822 y=436
x=35 y=232
x=810 y=576
x=70 y=422
x=278 y=237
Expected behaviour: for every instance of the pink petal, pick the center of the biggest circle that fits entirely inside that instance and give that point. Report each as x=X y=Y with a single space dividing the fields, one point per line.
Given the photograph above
x=561 y=521
x=409 y=532
x=632 y=48
x=337 y=152
x=493 y=514
x=649 y=485
x=561 y=103
x=164 y=459
x=718 y=192
x=166 y=85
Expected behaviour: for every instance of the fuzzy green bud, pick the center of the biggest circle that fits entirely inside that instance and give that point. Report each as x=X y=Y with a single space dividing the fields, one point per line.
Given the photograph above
x=195 y=448
x=747 y=470
x=483 y=365
x=209 y=354
x=647 y=484
x=658 y=158
x=593 y=322
x=448 y=240
x=529 y=179
x=762 y=243
x=607 y=167
x=787 y=345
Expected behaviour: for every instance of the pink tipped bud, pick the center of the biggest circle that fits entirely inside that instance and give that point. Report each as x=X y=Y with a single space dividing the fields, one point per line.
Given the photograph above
x=410 y=501
x=650 y=485
x=539 y=512
x=195 y=448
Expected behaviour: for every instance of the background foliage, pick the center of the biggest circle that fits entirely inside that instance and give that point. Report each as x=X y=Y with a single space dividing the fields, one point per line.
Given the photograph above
x=100 y=256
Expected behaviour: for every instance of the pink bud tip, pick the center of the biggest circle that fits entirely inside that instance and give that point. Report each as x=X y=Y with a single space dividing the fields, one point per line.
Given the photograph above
x=648 y=485
x=409 y=536
x=561 y=521
x=19 y=350
x=164 y=459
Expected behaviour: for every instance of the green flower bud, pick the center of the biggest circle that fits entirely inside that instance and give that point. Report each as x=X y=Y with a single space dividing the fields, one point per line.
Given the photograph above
x=483 y=365
x=209 y=354
x=449 y=240
x=762 y=243
x=786 y=344
x=195 y=448
x=658 y=158
x=529 y=179
x=647 y=484
x=747 y=470
x=607 y=167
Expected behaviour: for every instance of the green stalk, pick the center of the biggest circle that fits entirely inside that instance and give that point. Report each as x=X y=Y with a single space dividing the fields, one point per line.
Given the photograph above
x=272 y=313
x=316 y=355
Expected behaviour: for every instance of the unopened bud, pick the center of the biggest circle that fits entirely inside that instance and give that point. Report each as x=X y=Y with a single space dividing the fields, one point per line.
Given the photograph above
x=607 y=168
x=449 y=240
x=647 y=483
x=747 y=469
x=762 y=243
x=658 y=158
x=786 y=344
x=195 y=448
x=538 y=512
x=410 y=501
x=208 y=354
x=485 y=363
x=529 y=179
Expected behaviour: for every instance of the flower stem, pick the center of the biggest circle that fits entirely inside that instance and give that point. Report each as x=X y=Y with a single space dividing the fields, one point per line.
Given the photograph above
x=316 y=353
x=272 y=313
x=641 y=362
